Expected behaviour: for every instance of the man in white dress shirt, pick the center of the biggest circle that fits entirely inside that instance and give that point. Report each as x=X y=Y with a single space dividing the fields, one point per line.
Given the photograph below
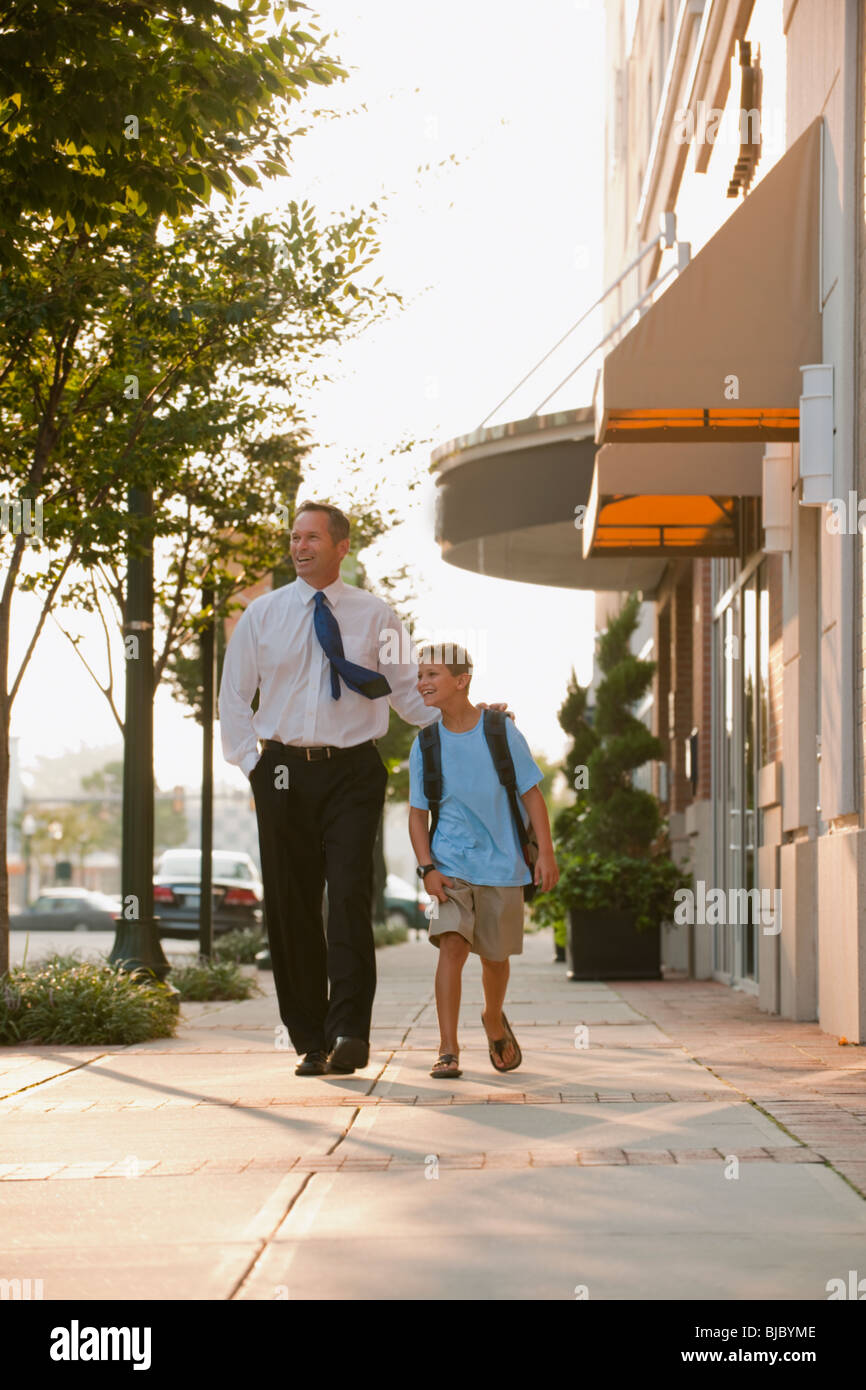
x=318 y=782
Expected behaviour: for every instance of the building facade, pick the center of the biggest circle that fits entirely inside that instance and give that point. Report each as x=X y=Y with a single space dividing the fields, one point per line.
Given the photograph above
x=724 y=456
x=758 y=635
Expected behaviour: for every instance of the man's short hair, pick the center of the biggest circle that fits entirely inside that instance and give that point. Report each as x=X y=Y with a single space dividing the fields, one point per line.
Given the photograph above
x=450 y=654
x=338 y=522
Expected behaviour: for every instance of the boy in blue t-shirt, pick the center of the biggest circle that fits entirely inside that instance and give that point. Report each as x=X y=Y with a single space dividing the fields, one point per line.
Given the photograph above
x=475 y=869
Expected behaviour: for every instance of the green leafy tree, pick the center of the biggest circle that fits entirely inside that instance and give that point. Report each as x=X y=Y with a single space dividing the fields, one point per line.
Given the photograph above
x=143 y=107
x=140 y=327
x=550 y=774
x=612 y=843
x=611 y=815
x=238 y=315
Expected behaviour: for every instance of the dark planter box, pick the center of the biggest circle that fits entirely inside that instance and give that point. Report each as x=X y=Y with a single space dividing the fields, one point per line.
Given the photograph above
x=605 y=945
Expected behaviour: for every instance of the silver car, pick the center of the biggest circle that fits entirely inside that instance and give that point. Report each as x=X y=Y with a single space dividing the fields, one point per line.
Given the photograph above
x=237 y=892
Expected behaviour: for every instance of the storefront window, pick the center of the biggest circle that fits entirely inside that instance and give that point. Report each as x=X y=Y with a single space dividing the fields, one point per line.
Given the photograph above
x=749 y=602
x=741 y=702
x=763 y=751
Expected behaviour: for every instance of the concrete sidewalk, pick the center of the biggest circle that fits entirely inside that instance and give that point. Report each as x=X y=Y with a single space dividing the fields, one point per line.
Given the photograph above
x=662 y=1141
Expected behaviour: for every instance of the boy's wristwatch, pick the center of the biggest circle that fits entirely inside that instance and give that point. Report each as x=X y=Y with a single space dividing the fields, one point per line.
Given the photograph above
x=424 y=869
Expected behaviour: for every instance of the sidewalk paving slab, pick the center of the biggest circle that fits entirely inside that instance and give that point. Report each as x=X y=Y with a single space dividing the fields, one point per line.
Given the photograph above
x=201 y=1167
x=626 y=1232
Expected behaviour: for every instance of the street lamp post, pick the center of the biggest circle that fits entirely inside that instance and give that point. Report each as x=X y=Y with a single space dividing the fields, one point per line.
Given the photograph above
x=28 y=830
x=208 y=654
x=55 y=830
x=137 y=946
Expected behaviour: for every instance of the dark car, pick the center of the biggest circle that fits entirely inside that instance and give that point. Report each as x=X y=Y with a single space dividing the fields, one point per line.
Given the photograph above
x=405 y=903
x=68 y=909
x=236 y=891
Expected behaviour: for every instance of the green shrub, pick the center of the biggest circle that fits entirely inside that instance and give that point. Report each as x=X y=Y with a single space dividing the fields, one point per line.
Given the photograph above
x=643 y=887
x=390 y=933
x=68 y=1001
x=612 y=845
x=546 y=910
x=240 y=945
x=202 y=980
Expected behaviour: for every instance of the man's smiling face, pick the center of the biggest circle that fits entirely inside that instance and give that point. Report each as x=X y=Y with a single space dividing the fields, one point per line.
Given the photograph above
x=316 y=556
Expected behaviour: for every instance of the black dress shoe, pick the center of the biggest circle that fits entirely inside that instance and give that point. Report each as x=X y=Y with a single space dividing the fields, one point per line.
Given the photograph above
x=314 y=1064
x=349 y=1053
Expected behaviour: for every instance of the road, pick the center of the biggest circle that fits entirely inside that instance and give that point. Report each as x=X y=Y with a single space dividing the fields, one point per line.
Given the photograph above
x=90 y=945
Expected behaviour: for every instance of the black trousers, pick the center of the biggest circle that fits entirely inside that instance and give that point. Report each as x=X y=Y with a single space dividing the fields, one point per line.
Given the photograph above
x=321 y=827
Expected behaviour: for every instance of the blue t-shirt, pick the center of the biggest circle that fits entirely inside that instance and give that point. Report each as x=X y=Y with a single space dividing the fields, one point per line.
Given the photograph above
x=475 y=837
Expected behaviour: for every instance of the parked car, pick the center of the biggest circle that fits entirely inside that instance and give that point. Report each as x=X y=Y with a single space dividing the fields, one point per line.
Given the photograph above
x=237 y=892
x=68 y=909
x=405 y=903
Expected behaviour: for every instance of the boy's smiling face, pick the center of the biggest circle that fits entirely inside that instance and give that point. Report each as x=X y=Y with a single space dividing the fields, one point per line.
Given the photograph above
x=436 y=683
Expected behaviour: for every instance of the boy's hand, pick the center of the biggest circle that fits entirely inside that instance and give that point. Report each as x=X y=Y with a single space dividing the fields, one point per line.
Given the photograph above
x=434 y=885
x=546 y=871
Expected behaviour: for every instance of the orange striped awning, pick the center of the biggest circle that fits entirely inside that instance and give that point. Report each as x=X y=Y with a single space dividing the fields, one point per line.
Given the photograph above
x=667 y=500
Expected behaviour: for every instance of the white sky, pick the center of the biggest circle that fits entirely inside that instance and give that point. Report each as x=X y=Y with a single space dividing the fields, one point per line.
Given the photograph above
x=495 y=255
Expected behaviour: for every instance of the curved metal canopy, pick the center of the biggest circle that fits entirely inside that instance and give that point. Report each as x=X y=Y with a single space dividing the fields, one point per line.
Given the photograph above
x=509 y=498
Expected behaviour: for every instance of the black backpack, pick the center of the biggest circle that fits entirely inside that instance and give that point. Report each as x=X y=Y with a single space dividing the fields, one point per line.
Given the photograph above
x=497 y=742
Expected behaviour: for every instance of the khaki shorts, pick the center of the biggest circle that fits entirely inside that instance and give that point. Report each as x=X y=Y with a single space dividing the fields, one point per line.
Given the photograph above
x=489 y=918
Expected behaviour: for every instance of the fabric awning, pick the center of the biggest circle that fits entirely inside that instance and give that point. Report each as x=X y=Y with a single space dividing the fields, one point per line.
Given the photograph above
x=718 y=355
x=664 y=499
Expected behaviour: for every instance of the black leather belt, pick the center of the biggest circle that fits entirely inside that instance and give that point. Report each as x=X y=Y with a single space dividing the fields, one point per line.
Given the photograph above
x=315 y=754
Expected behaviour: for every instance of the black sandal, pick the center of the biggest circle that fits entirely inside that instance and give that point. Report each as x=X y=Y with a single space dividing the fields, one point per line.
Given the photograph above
x=497 y=1048
x=446 y=1059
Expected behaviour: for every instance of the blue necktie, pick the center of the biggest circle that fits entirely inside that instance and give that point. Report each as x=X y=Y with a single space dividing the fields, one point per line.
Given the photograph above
x=371 y=684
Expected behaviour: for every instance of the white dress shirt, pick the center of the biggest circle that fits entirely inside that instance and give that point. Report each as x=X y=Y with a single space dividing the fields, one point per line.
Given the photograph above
x=274 y=649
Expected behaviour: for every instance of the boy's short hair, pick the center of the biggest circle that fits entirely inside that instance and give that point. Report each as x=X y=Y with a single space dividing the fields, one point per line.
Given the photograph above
x=338 y=522
x=450 y=654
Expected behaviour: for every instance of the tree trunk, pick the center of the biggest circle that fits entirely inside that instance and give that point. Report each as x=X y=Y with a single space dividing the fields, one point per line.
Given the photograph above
x=208 y=692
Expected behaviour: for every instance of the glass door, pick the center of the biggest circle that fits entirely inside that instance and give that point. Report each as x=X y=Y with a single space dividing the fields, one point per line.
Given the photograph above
x=730 y=857
x=746 y=950
x=740 y=677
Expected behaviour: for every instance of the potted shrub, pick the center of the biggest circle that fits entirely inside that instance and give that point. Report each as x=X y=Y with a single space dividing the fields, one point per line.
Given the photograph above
x=618 y=880
x=560 y=940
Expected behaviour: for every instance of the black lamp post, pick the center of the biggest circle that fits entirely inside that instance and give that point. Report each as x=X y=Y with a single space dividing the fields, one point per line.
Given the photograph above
x=137 y=946
x=28 y=830
x=208 y=657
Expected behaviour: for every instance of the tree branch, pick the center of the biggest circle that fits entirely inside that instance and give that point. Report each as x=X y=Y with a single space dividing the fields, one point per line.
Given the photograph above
x=107 y=690
x=183 y=565
x=46 y=609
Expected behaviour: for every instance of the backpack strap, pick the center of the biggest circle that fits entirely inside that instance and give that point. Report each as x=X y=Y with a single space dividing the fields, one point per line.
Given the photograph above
x=497 y=742
x=431 y=761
